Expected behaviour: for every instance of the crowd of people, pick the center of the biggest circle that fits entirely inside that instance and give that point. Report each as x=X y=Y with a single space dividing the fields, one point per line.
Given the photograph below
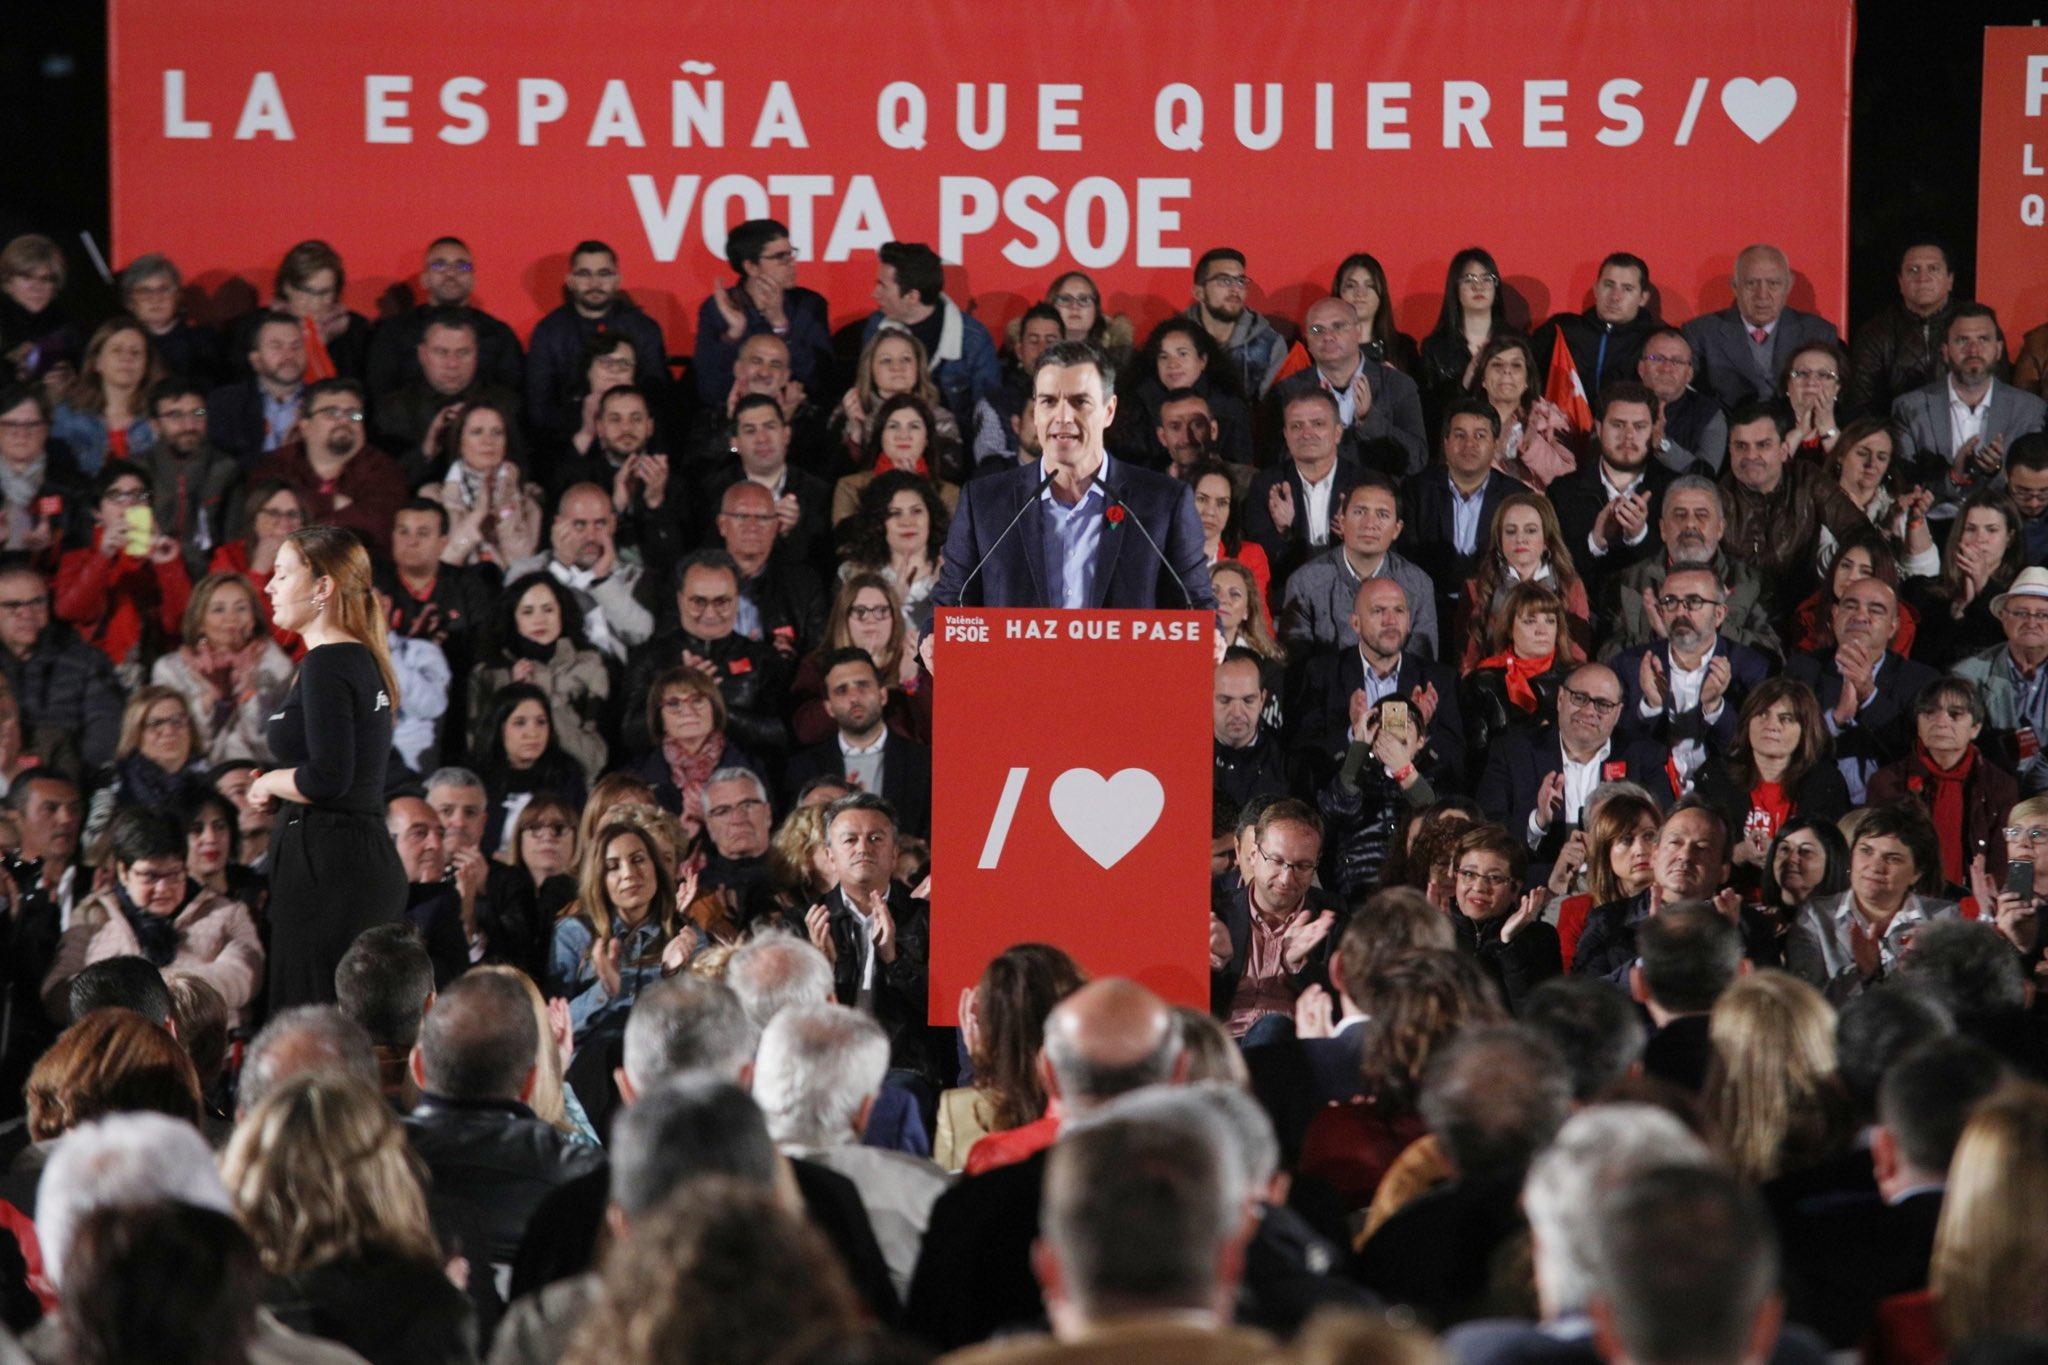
x=1629 y=847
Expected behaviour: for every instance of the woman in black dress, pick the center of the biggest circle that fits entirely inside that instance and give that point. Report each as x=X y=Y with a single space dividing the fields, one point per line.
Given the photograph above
x=333 y=870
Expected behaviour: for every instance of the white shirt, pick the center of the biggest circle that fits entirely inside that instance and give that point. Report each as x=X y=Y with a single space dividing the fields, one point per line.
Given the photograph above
x=585 y=581
x=1966 y=423
x=1579 y=781
x=1608 y=487
x=1316 y=505
x=1683 y=694
x=867 y=951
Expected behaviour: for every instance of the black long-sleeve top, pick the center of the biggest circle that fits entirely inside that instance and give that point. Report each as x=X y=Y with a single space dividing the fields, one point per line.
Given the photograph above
x=334 y=729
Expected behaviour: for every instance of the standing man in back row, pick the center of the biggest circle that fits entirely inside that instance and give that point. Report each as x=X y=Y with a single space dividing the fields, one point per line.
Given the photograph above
x=1066 y=532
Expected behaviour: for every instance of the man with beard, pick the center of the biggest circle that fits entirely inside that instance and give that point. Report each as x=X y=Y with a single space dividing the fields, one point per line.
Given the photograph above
x=865 y=751
x=583 y=556
x=1690 y=424
x=1321 y=593
x=1690 y=526
x=413 y=420
x=1778 y=505
x=646 y=486
x=1383 y=665
x=1609 y=508
x=1536 y=781
x=593 y=305
x=1375 y=401
x=188 y=476
x=782 y=603
x=449 y=278
x=343 y=480
x=1248 y=339
x=253 y=417
x=1866 y=689
x=1605 y=340
x=1687 y=688
x=1187 y=429
x=1958 y=428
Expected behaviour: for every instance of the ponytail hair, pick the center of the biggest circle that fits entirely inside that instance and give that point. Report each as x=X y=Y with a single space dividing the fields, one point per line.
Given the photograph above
x=333 y=553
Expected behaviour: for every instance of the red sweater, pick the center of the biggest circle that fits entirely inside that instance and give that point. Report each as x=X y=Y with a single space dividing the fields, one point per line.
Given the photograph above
x=115 y=601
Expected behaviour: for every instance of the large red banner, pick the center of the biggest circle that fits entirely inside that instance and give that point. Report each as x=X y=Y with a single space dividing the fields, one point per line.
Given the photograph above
x=1020 y=140
x=1072 y=764
x=2012 y=179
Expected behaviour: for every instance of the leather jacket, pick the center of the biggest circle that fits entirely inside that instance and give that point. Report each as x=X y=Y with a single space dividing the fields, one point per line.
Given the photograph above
x=492 y=1163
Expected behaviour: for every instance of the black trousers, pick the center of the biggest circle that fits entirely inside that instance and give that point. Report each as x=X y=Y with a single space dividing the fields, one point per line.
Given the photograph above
x=333 y=874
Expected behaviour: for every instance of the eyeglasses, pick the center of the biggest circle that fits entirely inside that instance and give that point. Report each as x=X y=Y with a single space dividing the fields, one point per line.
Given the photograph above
x=613 y=362
x=1691 y=602
x=1303 y=869
x=126 y=497
x=749 y=516
x=24 y=603
x=449 y=267
x=2025 y=836
x=156 y=876
x=338 y=414
x=1668 y=362
x=1479 y=277
x=1319 y=329
x=685 y=701
x=2025 y=616
x=164 y=724
x=1826 y=376
x=786 y=254
x=24 y=425
x=182 y=415
x=1229 y=281
x=705 y=604
x=280 y=514
x=1600 y=705
x=1492 y=881
x=881 y=613
x=155 y=291
x=1090 y=301
x=732 y=808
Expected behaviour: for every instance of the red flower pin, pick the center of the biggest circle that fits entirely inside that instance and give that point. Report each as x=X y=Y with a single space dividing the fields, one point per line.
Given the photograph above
x=1914 y=784
x=1115 y=513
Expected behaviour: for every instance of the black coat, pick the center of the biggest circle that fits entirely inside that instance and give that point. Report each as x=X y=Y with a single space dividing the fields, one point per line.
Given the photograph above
x=1490 y=714
x=1321 y=715
x=810 y=542
x=1607 y=944
x=1518 y=965
x=1883 y=729
x=1428 y=531
x=1233 y=907
x=974 y=1271
x=906 y=777
x=1516 y=767
x=901 y=987
x=1580 y=497
x=750 y=675
x=1288 y=550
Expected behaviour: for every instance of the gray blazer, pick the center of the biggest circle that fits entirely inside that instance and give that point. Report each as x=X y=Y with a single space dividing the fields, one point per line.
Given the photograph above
x=1317 y=612
x=1726 y=364
x=1930 y=437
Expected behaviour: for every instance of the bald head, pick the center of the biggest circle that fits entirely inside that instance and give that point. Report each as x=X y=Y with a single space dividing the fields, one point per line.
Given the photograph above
x=1108 y=1038
x=1331 y=326
x=1763 y=282
x=1380 y=618
x=584 y=525
x=305 y=1040
x=746 y=496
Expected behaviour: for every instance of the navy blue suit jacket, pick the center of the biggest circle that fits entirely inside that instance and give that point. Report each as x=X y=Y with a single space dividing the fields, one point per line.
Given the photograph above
x=1746 y=669
x=1129 y=575
x=1518 y=762
x=1428 y=530
x=1321 y=714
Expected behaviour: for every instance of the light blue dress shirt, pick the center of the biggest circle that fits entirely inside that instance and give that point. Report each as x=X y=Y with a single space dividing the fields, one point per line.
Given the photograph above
x=1465 y=518
x=1073 y=541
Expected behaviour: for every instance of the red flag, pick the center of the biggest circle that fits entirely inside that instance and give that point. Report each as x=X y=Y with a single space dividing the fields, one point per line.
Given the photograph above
x=1563 y=388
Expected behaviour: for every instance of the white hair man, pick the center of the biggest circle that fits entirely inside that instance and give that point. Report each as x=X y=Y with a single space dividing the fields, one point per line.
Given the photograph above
x=817 y=1076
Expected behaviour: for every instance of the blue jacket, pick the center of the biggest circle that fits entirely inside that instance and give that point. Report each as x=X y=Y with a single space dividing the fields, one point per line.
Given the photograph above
x=809 y=337
x=1130 y=576
x=557 y=343
x=965 y=365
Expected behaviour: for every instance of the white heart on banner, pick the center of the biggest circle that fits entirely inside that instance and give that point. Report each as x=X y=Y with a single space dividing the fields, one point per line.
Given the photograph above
x=1759 y=108
x=1107 y=817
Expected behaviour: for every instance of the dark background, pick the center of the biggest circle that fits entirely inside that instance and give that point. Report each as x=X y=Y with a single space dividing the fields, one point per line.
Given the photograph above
x=1918 y=84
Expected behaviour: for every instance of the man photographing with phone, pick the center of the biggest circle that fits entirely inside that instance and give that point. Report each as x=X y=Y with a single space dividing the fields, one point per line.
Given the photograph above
x=127 y=593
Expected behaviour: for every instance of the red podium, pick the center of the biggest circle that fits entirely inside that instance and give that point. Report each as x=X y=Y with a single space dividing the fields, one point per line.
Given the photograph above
x=1072 y=767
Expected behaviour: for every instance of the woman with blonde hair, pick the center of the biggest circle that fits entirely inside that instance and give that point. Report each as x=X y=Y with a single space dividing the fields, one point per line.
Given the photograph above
x=1773 y=1095
x=894 y=362
x=334 y=870
x=1525 y=544
x=1991 y=1245
x=552 y=1101
x=322 y=1177
x=799 y=866
x=158 y=760
x=229 y=668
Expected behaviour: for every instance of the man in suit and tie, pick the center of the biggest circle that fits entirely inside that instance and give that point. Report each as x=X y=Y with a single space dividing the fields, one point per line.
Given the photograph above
x=1054 y=533
x=1291 y=507
x=865 y=751
x=1447 y=510
x=1866 y=688
x=1686 y=689
x=1740 y=349
x=1536 y=781
x=1383 y=665
x=1609 y=509
x=1959 y=428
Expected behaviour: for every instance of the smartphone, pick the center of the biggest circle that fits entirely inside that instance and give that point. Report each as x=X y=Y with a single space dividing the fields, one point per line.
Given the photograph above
x=2019 y=877
x=1394 y=717
x=141 y=524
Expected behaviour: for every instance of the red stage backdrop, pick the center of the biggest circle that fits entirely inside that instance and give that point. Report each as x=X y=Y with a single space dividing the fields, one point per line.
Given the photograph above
x=1121 y=138
x=2012 y=183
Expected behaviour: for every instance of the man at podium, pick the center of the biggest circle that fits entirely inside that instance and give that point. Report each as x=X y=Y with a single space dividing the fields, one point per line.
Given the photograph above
x=1077 y=529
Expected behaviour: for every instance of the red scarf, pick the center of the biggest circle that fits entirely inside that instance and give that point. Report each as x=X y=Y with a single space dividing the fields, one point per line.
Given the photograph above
x=319 y=364
x=691 y=771
x=1519 y=671
x=1949 y=809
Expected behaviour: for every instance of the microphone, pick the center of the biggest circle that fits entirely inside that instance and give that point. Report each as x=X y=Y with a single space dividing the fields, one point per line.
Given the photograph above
x=1132 y=516
x=990 y=552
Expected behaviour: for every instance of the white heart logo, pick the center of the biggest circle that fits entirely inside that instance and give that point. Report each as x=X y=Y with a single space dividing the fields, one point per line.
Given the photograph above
x=1759 y=108
x=1107 y=817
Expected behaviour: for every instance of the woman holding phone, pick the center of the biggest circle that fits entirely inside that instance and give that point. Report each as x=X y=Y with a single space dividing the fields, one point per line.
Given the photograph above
x=333 y=870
